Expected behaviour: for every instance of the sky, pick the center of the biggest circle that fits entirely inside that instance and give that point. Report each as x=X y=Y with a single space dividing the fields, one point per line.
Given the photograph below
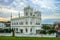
x=50 y=9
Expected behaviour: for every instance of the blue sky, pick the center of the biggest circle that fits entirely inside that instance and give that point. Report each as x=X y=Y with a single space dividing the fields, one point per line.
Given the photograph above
x=50 y=9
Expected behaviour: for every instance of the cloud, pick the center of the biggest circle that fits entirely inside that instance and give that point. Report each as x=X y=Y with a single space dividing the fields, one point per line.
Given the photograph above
x=18 y=5
x=43 y=17
x=6 y=0
x=22 y=4
x=4 y=19
x=48 y=4
x=50 y=17
x=6 y=10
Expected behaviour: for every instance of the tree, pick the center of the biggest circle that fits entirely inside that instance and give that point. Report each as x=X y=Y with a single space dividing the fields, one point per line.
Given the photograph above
x=48 y=29
x=42 y=32
x=45 y=27
x=51 y=31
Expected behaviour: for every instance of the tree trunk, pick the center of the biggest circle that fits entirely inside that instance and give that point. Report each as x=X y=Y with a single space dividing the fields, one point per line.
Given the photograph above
x=13 y=33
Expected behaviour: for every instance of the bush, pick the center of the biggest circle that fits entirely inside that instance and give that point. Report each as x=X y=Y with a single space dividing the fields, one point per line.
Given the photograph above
x=1 y=31
x=51 y=31
x=7 y=30
x=42 y=32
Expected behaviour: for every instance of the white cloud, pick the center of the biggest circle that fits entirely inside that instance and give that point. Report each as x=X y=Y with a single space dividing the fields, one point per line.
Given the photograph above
x=9 y=11
x=22 y=4
x=18 y=5
x=48 y=4
x=43 y=17
x=6 y=0
x=6 y=10
x=50 y=17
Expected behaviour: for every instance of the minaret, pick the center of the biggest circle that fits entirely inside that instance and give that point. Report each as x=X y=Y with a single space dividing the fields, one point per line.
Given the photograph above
x=33 y=12
x=11 y=15
x=19 y=14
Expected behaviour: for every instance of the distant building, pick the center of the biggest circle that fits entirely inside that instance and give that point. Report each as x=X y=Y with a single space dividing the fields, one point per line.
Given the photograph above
x=30 y=23
x=57 y=28
x=2 y=26
x=7 y=25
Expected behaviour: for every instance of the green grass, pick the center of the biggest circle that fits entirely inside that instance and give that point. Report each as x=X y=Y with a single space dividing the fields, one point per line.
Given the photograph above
x=27 y=38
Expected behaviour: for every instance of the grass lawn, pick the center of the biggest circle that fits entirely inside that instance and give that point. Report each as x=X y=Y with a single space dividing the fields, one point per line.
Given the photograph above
x=27 y=38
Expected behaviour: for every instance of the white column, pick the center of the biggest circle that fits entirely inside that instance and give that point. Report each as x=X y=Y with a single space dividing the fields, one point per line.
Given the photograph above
x=34 y=30
x=29 y=30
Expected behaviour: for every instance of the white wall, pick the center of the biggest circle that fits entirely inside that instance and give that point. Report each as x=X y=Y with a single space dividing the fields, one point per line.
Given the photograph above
x=39 y=35
x=5 y=34
x=24 y=35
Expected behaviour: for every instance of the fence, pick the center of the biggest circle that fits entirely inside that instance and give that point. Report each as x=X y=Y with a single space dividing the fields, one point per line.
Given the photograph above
x=38 y=35
x=29 y=35
x=5 y=34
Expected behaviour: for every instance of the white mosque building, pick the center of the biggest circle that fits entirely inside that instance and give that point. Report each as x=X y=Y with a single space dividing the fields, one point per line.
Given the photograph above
x=30 y=23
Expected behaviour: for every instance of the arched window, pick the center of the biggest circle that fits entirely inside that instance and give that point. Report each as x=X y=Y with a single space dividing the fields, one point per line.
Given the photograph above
x=26 y=14
x=30 y=14
x=26 y=23
x=33 y=15
x=21 y=30
x=31 y=30
x=37 y=23
x=16 y=23
x=26 y=30
x=21 y=23
x=30 y=22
